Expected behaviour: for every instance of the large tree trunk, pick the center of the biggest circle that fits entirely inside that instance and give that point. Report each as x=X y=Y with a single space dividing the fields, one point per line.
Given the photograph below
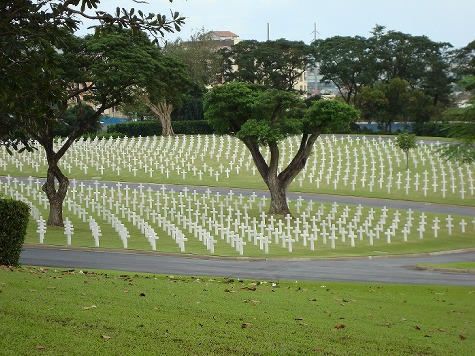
x=55 y=194
x=279 y=182
x=278 y=200
x=164 y=112
x=166 y=121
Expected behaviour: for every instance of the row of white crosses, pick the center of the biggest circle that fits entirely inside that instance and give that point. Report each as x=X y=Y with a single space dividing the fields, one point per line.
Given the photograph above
x=379 y=165
x=346 y=164
x=235 y=221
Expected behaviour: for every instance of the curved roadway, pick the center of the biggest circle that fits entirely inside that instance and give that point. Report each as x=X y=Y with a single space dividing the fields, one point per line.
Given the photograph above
x=381 y=270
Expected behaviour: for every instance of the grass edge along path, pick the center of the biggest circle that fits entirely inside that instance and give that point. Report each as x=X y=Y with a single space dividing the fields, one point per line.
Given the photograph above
x=56 y=311
x=455 y=267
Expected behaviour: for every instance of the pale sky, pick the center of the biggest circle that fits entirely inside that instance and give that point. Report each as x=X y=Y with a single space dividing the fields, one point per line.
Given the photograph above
x=441 y=20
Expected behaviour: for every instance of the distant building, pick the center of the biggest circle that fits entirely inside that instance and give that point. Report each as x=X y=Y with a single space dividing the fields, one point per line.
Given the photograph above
x=227 y=38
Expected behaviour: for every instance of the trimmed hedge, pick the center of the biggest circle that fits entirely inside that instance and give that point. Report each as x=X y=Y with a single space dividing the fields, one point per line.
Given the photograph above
x=14 y=217
x=154 y=128
x=194 y=127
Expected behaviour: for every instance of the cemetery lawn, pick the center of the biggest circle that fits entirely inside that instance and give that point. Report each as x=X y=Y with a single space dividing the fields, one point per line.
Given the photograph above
x=75 y=312
x=457 y=265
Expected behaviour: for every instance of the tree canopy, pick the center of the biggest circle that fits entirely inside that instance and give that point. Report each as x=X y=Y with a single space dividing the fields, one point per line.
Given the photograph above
x=463 y=127
x=44 y=68
x=347 y=62
x=355 y=62
x=261 y=118
x=32 y=33
x=276 y=64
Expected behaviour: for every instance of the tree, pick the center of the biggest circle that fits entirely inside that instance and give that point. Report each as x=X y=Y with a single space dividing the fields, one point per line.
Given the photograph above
x=68 y=120
x=162 y=98
x=199 y=64
x=462 y=128
x=371 y=103
x=406 y=142
x=464 y=60
x=423 y=63
x=347 y=62
x=262 y=118
x=394 y=101
x=43 y=67
x=352 y=63
x=275 y=64
x=200 y=55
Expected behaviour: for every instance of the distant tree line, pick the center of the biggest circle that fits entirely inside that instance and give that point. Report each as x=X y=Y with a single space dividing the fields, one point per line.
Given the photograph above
x=390 y=76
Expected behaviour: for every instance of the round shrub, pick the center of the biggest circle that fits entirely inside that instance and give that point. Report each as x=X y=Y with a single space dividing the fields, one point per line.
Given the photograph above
x=14 y=217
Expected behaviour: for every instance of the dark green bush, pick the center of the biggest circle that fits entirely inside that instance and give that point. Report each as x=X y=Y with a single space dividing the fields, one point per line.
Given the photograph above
x=137 y=128
x=432 y=129
x=154 y=128
x=14 y=217
x=193 y=127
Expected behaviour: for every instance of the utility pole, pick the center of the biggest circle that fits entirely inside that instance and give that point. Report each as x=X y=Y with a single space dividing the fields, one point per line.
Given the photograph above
x=315 y=68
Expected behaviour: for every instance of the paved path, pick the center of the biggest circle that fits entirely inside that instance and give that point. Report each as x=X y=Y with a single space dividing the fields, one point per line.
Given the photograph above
x=381 y=270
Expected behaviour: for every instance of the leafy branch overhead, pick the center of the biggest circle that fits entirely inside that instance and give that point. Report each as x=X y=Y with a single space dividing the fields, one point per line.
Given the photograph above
x=156 y=24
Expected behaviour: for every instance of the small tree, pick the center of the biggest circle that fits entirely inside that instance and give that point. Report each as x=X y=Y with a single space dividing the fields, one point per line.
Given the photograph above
x=44 y=67
x=262 y=118
x=406 y=142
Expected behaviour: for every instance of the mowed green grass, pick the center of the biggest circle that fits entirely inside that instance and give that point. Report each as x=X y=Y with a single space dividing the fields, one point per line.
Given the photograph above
x=58 y=312
x=455 y=265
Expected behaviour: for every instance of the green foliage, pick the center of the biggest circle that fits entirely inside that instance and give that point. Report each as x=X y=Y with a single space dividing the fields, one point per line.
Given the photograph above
x=74 y=117
x=14 y=217
x=353 y=63
x=464 y=128
x=193 y=127
x=394 y=101
x=330 y=116
x=347 y=62
x=40 y=60
x=406 y=141
x=200 y=54
x=262 y=116
x=274 y=64
x=265 y=116
x=190 y=109
x=229 y=106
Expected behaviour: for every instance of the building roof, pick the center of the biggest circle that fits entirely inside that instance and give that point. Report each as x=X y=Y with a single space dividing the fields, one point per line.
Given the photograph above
x=224 y=34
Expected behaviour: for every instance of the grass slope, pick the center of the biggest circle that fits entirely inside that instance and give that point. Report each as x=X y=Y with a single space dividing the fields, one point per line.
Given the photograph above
x=56 y=312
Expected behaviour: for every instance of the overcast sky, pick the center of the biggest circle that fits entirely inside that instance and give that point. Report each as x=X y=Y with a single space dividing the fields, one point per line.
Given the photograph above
x=441 y=20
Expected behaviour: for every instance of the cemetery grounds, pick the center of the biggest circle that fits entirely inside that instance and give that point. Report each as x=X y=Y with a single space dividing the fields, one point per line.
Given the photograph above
x=161 y=194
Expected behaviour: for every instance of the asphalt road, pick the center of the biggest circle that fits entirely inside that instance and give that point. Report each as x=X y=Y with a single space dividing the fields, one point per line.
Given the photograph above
x=381 y=270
